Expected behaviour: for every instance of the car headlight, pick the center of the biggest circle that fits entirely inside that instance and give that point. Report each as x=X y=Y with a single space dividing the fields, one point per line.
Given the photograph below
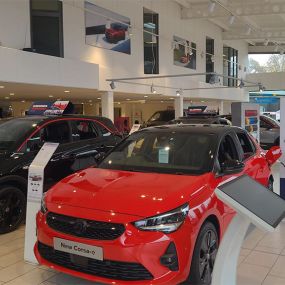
x=43 y=204
x=167 y=222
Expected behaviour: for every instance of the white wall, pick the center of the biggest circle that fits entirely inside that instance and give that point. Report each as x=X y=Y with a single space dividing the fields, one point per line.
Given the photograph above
x=116 y=65
x=15 y=23
x=271 y=80
x=15 y=33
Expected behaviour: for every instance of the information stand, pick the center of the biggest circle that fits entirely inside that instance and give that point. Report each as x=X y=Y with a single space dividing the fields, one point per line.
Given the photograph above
x=35 y=193
x=255 y=205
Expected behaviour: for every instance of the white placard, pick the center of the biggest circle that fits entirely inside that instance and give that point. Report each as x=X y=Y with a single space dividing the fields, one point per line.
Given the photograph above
x=35 y=193
x=134 y=128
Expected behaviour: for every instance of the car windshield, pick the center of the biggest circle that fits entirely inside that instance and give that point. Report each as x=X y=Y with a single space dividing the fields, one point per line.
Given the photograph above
x=163 y=152
x=12 y=130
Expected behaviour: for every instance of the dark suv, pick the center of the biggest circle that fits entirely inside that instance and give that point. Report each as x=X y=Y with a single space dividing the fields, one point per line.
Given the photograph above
x=83 y=140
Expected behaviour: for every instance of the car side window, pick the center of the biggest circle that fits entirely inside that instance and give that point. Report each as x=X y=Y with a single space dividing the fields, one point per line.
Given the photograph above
x=264 y=124
x=104 y=132
x=227 y=150
x=246 y=144
x=83 y=130
x=57 y=132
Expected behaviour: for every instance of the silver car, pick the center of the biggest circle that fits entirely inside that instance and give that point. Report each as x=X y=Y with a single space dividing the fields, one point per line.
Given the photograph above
x=269 y=132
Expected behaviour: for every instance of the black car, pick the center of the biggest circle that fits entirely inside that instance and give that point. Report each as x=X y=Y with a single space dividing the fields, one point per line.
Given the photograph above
x=82 y=141
x=201 y=119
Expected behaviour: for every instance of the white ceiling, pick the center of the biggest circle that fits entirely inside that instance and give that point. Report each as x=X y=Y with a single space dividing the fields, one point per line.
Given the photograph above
x=255 y=21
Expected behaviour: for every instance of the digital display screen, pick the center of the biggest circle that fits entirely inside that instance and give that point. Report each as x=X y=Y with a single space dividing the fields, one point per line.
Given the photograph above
x=256 y=198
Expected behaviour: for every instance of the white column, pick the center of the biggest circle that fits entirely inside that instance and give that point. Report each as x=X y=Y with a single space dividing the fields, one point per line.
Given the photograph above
x=221 y=107
x=178 y=105
x=107 y=100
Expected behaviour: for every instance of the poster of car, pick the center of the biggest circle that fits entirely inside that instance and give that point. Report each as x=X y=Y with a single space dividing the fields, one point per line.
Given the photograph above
x=106 y=29
x=184 y=53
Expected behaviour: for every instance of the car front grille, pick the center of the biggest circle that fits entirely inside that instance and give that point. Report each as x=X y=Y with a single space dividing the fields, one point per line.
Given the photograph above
x=85 y=228
x=107 y=268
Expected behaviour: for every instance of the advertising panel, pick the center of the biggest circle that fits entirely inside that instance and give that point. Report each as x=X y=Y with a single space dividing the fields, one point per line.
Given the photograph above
x=106 y=29
x=184 y=53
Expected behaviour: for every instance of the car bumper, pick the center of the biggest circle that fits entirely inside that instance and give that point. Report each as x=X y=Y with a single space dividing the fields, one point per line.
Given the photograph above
x=134 y=246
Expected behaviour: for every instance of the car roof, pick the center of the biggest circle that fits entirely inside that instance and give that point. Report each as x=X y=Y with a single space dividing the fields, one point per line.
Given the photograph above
x=193 y=128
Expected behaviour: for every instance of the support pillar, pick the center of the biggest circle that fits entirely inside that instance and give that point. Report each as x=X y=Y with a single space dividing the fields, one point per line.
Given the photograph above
x=178 y=105
x=282 y=146
x=107 y=101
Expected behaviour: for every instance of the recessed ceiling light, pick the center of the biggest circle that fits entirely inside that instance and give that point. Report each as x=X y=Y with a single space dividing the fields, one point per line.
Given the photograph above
x=145 y=96
x=171 y=98
x=119 y=103
x=1 y=86
x=66 y=91
x=161 y=101
x=12 y=94
x=128 y=99
x=50 y=96
x=23 y=101
x=7 y=97
x=90 y=101
x=99 y=98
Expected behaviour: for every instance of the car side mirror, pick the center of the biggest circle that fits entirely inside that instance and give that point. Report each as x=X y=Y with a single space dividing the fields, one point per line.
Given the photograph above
x=99 y=156
x=273 y=154
x=34 y=145
x=231 y=167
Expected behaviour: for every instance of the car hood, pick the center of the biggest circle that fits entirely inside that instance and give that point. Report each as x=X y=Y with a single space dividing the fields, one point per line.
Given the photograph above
x=133 y=193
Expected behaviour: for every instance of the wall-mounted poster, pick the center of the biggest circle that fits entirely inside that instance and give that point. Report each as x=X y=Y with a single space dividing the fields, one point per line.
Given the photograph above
x=106 y=29
x=184 y=53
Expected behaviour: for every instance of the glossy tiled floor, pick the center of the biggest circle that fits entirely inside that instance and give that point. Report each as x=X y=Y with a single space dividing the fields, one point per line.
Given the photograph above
x=262 y=261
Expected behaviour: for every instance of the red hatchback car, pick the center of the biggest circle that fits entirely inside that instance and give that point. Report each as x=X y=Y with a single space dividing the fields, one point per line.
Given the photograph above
x=148 y=213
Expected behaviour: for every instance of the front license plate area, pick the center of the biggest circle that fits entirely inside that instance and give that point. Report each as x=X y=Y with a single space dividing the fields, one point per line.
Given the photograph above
x=78 y=260
x=79 y=249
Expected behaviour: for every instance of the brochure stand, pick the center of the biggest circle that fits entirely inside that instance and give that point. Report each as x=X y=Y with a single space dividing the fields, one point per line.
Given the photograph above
x=255 y=205
x=35 y=193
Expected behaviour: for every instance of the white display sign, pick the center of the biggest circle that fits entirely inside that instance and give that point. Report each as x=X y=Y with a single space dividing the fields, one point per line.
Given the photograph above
x=35 y=193
x=134 y=128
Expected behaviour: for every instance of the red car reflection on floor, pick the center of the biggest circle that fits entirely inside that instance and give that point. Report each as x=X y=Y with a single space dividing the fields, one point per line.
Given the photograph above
x=148 y=213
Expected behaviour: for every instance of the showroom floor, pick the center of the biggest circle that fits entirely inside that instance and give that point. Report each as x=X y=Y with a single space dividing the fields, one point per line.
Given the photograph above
x=262 y=261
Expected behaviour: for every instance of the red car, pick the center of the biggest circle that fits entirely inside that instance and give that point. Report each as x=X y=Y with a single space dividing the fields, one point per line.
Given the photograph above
x=116 y=33
x=148 y=213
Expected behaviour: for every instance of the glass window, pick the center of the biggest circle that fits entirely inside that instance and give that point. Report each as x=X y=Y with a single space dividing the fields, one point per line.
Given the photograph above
x=151 y=42
x=246 y=144
x=261 y=63
x=14 y=130
x=46 y=27
x=227 y=150
x=173 y=153
x=104 y=132
x=83 y=130
x=230 y=58
x=210 y=52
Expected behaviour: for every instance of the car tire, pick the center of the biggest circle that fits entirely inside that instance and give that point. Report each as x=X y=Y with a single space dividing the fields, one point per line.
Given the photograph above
x=12 y=208
x=270 y=184
x=204 y=256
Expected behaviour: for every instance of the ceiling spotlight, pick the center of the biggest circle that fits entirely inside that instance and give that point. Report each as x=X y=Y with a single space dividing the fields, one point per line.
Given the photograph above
x=12 y=94
x=145 y=96
x=1 y=86
x=112 y=85
x=50 y=96
x=7 y=97
x=152 y=90
x=23 y=101
x=266 y=42
x=248 y=31
x=179 y=92
x=99 y=98
x=211 y=7
x=231 y=19
x=66 y=91
x=128 y=99
x=241 y=84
